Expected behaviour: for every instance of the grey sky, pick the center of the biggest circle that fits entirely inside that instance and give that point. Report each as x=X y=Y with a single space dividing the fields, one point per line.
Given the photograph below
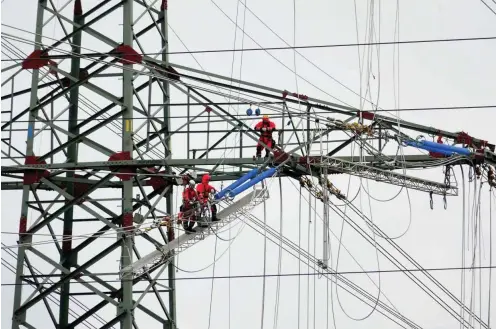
x=430 y=75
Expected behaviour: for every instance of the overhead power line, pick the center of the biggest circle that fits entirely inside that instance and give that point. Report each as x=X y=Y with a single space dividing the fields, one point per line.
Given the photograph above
x=494 y=12
x=252 y=276
x=206 y=51
x=245 y=116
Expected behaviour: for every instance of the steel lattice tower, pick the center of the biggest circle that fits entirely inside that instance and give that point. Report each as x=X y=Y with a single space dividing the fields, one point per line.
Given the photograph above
x=143 y=161
x=75 y=189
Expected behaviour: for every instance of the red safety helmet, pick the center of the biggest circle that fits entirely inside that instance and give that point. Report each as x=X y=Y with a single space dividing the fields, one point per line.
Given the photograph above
x=206 y=178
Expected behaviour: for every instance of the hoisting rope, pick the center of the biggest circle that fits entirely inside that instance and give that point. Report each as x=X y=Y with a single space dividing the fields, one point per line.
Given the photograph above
x=278 y=284
x=490 y=256
x=299 y=258
x=308 y=255
x=315 y=253
x=462 y=284
x=225 y=144
x=472 y=242
x=212 y=287
x=476 y=241
x=264 y=264
x=339 y=253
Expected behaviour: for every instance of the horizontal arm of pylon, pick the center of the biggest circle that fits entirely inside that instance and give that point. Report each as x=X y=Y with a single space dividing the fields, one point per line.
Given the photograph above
x=389 y=177
x=318 y=103
x=190 y=162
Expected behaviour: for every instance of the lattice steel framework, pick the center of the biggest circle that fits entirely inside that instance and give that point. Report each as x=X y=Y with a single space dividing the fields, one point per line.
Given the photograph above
x=142 y=158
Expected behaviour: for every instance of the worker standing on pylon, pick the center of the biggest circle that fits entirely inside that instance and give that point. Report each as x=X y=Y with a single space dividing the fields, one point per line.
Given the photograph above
x=190 y=198
x=266 y=127
x=204 y=189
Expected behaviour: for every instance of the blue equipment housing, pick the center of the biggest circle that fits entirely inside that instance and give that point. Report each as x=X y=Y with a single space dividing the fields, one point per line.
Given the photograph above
x=249 y=112
x=249 y=175
x=459 y=150
x=248 y=180
x=257 y=111
x=438 y=148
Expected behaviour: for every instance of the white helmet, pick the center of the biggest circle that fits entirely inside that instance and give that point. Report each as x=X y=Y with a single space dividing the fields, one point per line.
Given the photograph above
x=191 y=182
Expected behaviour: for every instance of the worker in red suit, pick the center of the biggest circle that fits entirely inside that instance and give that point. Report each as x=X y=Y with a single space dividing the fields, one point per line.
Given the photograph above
x=204 y=189
x=266 y=127
x=190 y=199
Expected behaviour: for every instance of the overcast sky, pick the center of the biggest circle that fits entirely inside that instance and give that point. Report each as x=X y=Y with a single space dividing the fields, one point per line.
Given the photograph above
x=427 y=75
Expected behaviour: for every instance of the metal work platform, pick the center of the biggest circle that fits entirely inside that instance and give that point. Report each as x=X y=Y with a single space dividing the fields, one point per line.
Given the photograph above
x=227 y=215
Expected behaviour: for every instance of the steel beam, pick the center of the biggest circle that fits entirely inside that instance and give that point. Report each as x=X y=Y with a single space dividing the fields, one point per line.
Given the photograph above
x=94 y=145
x=372 y=160
x=69 y=204
x=171 y=270
x=96 y=7
x=39 y=286
x=156 y=291
x=26 y=111
x=79 y=136
x=67 y=277
x=18 y=319
x=63 y=92
x=27 y=90
x=125 y=309
x=19 y=185
x=107 y=299
x=103 y=303
x=113 y=104
x=81 y=25
x=77 y=277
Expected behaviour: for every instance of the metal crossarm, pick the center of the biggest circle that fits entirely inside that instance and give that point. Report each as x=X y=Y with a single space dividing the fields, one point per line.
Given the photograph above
x=184 y=241
x=390 y=177
x=106 y=165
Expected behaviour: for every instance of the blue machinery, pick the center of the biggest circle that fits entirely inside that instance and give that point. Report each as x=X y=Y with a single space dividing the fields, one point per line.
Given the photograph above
x=438 y=147
x=245 y=182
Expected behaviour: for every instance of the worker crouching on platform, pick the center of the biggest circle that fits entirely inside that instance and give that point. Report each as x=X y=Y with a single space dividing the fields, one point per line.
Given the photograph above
x=204 y=189
x=266 y=127
x=190 y=202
